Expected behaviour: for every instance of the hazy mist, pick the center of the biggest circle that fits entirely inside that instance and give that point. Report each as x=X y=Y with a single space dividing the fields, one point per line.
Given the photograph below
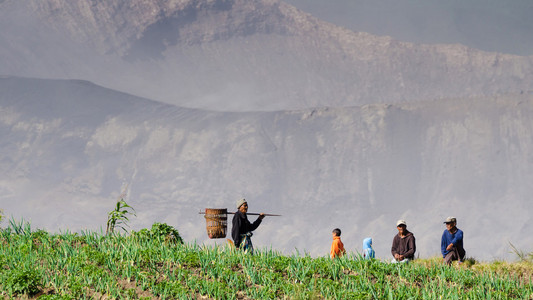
x=195 y=106
x=68 y=147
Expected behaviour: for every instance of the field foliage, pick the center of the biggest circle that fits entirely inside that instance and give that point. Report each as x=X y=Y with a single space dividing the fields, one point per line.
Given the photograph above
x=155 y=263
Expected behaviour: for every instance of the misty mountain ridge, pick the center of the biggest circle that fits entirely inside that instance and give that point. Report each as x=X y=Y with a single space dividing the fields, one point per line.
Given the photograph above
x=69 y=146
x=237 y=55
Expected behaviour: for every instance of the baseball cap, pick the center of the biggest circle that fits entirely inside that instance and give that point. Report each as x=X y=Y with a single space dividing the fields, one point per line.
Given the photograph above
x=401 y=222
x=450 y=220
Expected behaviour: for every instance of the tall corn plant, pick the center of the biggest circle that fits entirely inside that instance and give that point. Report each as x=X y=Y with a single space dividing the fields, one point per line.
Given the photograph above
x=118 y=217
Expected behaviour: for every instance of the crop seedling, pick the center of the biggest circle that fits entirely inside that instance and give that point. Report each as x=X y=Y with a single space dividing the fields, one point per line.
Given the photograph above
x=119 y=216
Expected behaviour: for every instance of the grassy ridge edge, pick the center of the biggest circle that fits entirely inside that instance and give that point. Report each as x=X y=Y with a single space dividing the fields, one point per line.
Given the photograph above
x=40 y=265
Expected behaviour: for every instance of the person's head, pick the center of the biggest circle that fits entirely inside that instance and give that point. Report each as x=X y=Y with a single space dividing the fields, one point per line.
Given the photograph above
x=450 y=223
x=336 y=232
x=242 y=205
x=401 y=225
x=367 y=243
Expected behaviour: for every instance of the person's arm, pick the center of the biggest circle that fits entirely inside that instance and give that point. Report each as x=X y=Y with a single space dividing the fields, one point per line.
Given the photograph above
x=443 y=244
x=394 y=247
x=257 y=222
x=335 y=248
x=235 y=230
x=458 y=237
x=411 y=245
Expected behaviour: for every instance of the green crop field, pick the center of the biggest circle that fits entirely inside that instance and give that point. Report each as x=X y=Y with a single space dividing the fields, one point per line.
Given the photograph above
x=155 y=263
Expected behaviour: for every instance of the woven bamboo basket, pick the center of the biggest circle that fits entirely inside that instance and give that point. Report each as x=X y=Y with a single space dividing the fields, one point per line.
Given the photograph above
x=216 y=220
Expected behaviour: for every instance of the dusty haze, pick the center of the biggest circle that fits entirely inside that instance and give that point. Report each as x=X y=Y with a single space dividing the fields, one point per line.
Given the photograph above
x=69 y=146
x=197 y=103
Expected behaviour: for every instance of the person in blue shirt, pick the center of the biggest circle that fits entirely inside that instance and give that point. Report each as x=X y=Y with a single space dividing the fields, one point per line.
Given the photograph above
x=452 y=242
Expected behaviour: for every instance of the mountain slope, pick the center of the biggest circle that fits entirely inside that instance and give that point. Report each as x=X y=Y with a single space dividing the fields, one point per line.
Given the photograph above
x=68 y=147
x=240 y=55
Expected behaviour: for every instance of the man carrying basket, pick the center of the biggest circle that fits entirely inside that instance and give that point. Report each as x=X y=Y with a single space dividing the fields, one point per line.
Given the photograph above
x=242 y=228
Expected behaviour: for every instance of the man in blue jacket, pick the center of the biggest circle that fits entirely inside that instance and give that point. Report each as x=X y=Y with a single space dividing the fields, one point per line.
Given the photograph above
x=452 y=242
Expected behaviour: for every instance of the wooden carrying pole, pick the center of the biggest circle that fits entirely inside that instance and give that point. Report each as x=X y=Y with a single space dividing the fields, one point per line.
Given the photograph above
x=217 y=221
x=251 y=214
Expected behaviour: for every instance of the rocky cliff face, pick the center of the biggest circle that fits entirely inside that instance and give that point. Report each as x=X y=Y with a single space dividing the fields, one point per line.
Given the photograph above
x=242 y=55
x=118 y=26
x=68 y=146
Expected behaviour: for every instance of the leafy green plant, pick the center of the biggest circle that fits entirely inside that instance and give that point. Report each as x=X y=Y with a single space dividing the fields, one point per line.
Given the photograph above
x=118 y=217
x=160 y=231
x=21 y=281
x=469 y=262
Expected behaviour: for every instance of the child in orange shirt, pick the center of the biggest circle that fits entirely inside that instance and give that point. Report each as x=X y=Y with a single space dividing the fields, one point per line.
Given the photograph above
x=337 y=247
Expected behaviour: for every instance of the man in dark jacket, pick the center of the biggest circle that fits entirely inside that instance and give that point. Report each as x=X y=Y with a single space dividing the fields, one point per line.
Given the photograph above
x=403 y=245
x=242 y=228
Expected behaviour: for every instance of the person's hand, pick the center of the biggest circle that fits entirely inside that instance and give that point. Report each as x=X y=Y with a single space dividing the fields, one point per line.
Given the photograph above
x=450 y=246
x=400 y=257
x=261 y=216
x=397 y=256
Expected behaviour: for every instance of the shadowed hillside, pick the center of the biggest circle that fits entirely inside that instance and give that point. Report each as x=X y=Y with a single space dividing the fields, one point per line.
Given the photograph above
x=240 y=55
